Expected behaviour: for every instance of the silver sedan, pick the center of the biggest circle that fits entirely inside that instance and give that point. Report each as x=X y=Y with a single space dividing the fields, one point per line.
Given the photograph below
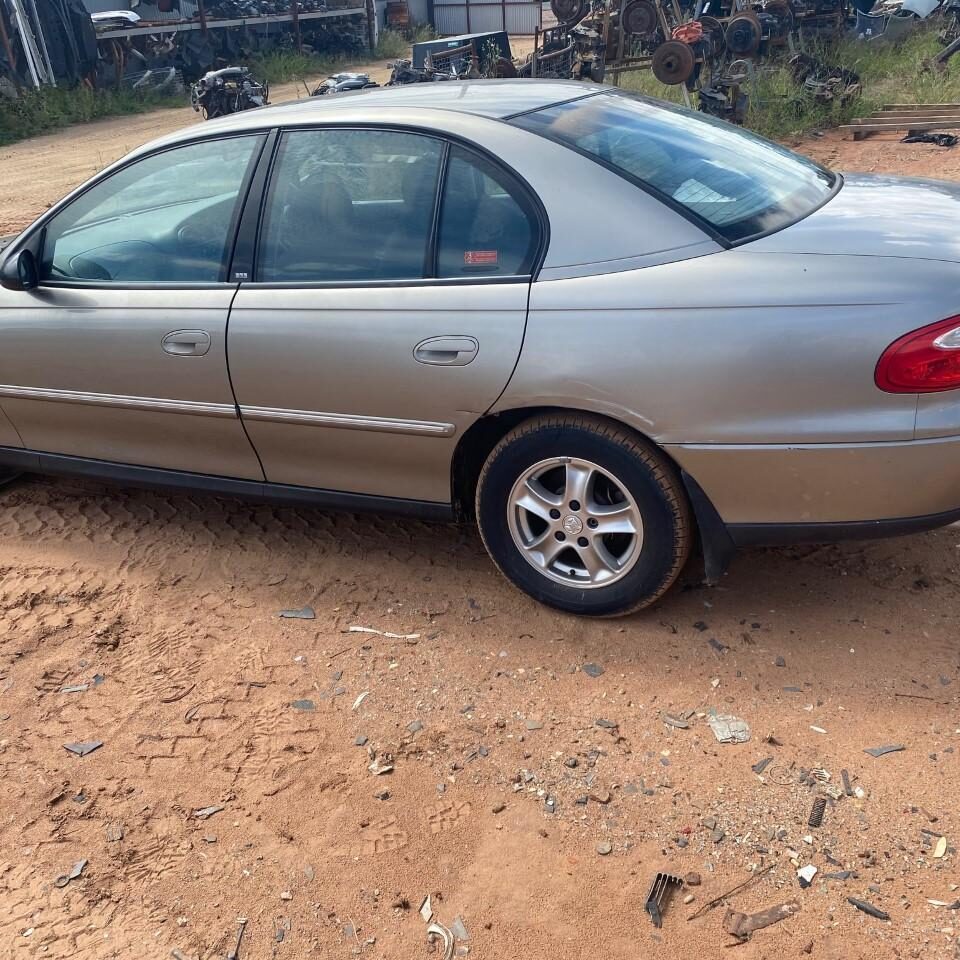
x=610 y=330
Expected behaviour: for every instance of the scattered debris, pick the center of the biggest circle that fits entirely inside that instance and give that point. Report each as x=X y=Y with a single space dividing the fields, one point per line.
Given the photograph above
x=114 y=832
x=303 y=705
x=499 y=807
x=83 y=748
x=882 y=751
x=818 y=729
x=363 y=696
x=678 y=722
x=384 y=633
x=74 y=874
x=761 y=765
x=806 y=874
x=729 y=729
x=816 y=814
x=76 y=688
x=605 y=848
x=426 y=909
x=414 y=726
x=692 y=879
x=458 y=929
x=719 y=648
x=661 y=889
x=304 y=613
x=380 y=763
x=593 y=669
x=533 y=724
x=940 y=849
x=437 y=931
x=741 y=925
x=235 y=952
x=716 y=901
x=206 y=812
x=847 y=787
x=937 y=139
x=868 y=908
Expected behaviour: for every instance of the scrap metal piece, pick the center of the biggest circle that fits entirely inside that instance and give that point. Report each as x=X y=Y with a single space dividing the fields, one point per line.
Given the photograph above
x=677 y=722
x=868 y=908
x=426 y=909
x=673 y=62
x=235 y=952
x=816 y=814
x=74 y=873
x=741 y=925
x=761 y=765
x=661 y=889
x=82 y=748
x=639 y=18
x=716 y=901
x=882 y=751
x=847 y=786
x=304 y=613
x=729 y=729
x=205 y=812
x=438 y=931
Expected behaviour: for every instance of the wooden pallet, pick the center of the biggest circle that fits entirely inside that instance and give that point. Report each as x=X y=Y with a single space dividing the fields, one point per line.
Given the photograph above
x=900 y=117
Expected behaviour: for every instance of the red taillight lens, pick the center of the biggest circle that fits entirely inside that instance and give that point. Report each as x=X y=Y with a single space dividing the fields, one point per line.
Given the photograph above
x=925 y=361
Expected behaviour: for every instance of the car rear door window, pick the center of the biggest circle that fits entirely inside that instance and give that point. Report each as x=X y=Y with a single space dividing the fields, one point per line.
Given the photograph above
x=166 y=218
x=487 y=225
x=350 y=205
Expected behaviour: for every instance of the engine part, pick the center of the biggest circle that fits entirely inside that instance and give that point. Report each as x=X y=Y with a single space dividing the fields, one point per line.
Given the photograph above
x=340 y=82
x=744 y=34
x=673 y=62
x=230 y=90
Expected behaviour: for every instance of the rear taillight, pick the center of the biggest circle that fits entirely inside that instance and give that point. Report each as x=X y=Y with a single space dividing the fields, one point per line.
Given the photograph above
x=925 y=361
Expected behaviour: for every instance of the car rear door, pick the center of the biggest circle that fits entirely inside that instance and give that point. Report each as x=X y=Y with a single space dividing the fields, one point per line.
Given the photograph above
x=120 y=354
x=387 y=310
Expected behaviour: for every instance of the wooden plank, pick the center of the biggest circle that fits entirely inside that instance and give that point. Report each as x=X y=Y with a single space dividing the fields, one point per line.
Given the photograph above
x=906 y=125
x=920 y=106
x=911 y=118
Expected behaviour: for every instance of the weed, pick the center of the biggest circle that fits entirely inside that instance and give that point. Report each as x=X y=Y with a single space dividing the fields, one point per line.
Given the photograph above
x=392 y=45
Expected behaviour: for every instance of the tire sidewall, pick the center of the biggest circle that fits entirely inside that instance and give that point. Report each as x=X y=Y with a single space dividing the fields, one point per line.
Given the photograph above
x=657 y=561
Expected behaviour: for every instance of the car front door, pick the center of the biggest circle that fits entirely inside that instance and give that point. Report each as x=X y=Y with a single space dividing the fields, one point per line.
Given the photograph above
x=387 y=312
x=120 y=353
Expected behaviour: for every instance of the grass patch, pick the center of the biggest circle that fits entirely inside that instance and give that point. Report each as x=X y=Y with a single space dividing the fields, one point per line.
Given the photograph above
x=392 y=45
x=889 y=73
x=52 y=108
x=282 y=66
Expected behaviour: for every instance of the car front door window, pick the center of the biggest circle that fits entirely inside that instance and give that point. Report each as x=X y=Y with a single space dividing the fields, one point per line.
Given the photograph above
x=166 y=218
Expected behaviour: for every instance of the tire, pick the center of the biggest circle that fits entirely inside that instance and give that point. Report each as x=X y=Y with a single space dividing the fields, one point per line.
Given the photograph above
x=626 y=483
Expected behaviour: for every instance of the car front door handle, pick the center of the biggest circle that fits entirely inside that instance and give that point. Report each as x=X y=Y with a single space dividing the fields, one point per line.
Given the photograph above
x=186 y=343
x=446 y=351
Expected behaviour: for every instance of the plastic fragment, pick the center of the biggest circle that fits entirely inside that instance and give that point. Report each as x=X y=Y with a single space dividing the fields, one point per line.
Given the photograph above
x=729 y=729
x=304 y=613
x=882 y=751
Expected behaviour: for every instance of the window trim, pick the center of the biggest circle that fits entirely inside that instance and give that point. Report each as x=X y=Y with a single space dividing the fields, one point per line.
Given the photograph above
x=542 y=224
x=701 y=223
x=35 y=237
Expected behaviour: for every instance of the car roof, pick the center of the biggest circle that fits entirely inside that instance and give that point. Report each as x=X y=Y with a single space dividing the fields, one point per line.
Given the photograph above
x=495 y=99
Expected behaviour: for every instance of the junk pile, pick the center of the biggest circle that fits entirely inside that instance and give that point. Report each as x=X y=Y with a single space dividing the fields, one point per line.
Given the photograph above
x=164 y=45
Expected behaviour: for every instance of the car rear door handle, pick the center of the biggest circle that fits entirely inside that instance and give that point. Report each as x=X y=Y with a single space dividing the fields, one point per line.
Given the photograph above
x=446 y=351
x=186 y=343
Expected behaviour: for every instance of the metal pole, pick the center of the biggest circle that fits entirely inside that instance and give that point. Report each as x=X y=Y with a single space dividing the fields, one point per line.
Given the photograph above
x=21 y=26
x=295 y=17
x=41 y=42
x=203 y=16
x=533 y=59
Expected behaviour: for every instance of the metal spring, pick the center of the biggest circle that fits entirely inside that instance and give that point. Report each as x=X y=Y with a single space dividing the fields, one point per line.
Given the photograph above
x=816 y=814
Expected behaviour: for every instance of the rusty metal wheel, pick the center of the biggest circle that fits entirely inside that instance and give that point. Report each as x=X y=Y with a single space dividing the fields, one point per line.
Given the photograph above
x=673 y=62
x=640 y=18
x=569 y=11
x=744 y=34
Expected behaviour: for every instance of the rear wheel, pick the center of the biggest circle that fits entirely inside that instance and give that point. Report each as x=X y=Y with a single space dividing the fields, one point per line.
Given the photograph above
x=583 y=515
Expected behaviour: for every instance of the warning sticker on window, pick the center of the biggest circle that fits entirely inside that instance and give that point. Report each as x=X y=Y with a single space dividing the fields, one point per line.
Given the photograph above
x=480 y=258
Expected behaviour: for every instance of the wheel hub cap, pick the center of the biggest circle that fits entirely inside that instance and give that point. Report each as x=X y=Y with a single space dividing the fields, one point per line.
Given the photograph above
x=575 y=522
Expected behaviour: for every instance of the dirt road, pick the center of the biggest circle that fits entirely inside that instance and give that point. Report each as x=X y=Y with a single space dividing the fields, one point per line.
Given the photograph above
x=537 y=784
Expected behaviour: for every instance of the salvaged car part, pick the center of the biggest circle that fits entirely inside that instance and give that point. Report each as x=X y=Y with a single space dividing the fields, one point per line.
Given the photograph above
x=340 y=82
x=640 y=18
x=661 y=890
x=743 y=34
x=823 y=82
x=673 y=62
x=230 y=90
x=569 y=11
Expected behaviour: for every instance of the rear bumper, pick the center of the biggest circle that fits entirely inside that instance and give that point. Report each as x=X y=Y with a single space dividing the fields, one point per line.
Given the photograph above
x=833 y=488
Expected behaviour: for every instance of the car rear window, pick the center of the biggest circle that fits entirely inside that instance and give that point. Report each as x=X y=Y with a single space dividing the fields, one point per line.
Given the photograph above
x=736 y=184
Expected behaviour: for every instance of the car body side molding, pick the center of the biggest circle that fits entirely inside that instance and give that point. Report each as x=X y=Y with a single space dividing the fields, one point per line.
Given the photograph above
x=32 y=461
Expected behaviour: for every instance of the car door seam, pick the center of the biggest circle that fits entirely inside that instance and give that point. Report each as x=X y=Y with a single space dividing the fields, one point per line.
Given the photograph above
x=233 y=392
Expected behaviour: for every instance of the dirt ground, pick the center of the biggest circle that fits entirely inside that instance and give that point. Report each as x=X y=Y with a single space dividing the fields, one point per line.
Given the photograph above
x=537 y=784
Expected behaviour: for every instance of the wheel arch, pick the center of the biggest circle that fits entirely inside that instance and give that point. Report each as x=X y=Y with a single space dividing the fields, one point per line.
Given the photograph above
x=482 y=436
